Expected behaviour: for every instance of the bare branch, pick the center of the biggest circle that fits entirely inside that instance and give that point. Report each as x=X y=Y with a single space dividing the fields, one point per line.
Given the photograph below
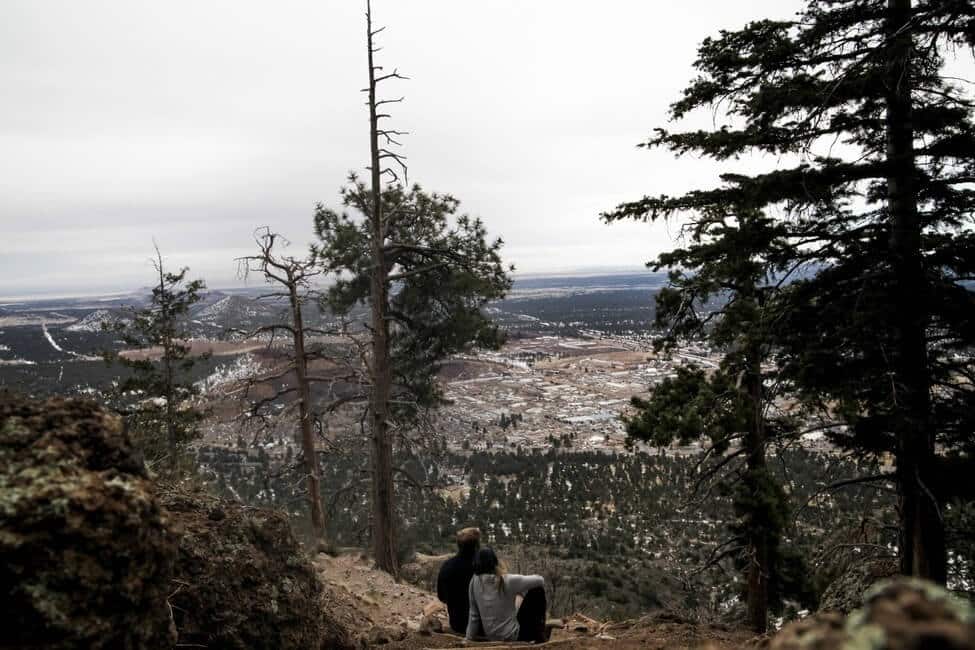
x=393 y=75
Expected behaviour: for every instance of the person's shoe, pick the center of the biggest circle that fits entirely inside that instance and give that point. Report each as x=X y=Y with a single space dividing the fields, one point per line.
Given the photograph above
x=551 y=624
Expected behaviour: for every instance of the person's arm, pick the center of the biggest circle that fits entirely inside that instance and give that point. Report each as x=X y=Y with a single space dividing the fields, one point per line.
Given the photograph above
x=521 y=584
x=474 y=618
x=442 y=584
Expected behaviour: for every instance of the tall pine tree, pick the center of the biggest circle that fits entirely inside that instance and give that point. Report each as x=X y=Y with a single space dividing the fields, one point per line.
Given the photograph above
x=425 y=274
x=875 y=148
x=439 y=271
x=720 y=291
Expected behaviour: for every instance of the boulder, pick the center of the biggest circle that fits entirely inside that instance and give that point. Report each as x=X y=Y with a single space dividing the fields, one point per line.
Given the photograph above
x=821 y=631
x=900 y=614
x=93 y=555
x=430 y=623
x=86 y=554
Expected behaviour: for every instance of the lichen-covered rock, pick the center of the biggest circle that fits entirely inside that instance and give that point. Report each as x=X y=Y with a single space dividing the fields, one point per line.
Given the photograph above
x=244 y=581
x=845 y=593
x=821 y=631
x=900 y=614
x=908 y=613
x=85 y=552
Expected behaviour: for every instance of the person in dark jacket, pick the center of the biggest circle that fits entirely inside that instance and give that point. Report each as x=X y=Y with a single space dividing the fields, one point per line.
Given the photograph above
x=455 y=576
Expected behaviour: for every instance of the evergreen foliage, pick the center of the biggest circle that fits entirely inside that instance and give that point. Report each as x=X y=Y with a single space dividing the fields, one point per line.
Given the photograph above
x=629 y=516
x=156 y=397
x=722 y=292
x=437 y=272
x=441 y=272
x=873 y=194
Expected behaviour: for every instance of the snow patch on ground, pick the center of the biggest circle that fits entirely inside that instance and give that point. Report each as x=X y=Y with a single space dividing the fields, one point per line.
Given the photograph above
x=54 y=344
x=242 y=368
x=50 y=339
x=238 y=306
x=216 y=310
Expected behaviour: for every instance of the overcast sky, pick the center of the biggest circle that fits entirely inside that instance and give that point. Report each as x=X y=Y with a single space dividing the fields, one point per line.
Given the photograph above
x=195 y=121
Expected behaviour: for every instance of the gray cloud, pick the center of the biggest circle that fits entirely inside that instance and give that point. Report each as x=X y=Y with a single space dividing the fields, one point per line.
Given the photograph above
x=196 y=121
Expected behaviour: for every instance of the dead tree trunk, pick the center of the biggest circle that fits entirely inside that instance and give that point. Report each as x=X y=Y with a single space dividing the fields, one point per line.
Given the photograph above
x=313 y=480
x=294 y=276
x=383 y=505
x=922 y=537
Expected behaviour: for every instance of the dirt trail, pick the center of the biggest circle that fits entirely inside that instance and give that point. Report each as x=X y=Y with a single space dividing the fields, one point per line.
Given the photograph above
x=382 y=600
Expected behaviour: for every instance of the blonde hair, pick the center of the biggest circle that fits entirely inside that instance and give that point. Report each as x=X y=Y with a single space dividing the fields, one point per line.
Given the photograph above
x=501 y=571
x=468 y=540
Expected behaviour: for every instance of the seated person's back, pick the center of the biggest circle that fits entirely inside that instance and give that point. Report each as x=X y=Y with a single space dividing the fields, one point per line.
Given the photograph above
x=455 y=576
x=493 y=609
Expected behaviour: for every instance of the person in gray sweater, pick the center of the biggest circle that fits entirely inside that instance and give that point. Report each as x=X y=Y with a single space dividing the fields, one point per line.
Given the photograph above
x=494 y=613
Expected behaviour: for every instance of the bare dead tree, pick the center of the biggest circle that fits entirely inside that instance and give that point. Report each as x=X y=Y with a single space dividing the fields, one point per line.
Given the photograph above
x=294 y=277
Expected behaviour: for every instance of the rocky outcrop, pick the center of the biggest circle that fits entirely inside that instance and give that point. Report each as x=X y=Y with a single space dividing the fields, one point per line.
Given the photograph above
x=901 y=614
x=243 y=581
x=85 y=550
x=93 y=555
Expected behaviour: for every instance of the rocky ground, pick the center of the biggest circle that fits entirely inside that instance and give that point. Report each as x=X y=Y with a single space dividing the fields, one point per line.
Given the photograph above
x=386 y=608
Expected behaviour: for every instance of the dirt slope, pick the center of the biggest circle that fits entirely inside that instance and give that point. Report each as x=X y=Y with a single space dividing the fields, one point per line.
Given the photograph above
x=379 y=600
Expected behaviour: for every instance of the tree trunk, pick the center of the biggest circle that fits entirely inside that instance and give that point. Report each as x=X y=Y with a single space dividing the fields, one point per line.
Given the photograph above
x=922 y=539
x=383 y=508
x=313 y=479
x=758 y=571
x=173 y=443
x=166 y=316
x=757 y=577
